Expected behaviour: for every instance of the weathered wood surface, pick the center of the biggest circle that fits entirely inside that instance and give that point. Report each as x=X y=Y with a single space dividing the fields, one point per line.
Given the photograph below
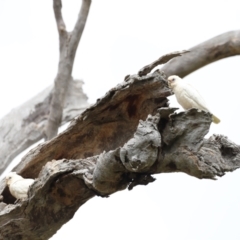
x=63 y=186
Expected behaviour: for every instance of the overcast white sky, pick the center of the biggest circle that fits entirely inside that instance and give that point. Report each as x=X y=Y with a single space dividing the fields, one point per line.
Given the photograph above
x=120 y=37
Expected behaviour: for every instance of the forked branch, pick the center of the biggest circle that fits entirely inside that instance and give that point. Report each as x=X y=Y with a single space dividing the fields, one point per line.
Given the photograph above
x=68 y=46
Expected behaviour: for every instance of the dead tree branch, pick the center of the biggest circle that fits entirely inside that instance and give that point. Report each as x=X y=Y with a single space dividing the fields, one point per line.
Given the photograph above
x=57 y=8
x=79 y=27
x=162 y=143
x=68 y=46
x=214 y=49
x=163 y=59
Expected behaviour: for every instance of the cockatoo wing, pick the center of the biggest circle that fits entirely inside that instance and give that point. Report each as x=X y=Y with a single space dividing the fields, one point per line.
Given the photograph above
x=191 y=98
x=19 y=189
x=187 y=96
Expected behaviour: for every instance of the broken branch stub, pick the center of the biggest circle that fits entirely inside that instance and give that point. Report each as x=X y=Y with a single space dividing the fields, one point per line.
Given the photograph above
x=163 y=59
x=111 y=173
x=141 y=151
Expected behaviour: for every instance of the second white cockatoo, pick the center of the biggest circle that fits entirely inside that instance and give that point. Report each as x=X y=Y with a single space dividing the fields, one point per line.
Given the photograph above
x=18 y=186
x=187 y=96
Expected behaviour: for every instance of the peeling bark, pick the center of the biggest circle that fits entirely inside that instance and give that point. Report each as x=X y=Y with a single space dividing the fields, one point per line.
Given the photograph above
x=104 y=126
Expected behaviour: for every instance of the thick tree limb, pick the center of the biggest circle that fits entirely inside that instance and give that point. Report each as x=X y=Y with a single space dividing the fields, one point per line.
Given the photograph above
x=68 y=46
x=63 y=186
x=24 y=125
x=214 y=49
x=104 y=126
x=55 y=185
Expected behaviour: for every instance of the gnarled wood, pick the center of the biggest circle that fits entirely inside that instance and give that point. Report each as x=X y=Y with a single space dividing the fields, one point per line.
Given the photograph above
x=104 y=126
x=64 y=185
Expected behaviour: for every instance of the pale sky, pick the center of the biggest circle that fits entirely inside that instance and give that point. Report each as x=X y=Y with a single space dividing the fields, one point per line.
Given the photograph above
x=122 y=36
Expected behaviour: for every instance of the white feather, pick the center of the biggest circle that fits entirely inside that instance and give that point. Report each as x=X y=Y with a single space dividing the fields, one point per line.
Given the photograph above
x=18 y=186
x=187 y=96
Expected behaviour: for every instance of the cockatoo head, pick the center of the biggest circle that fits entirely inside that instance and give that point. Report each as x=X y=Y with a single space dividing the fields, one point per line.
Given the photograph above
x=12 y=177
x=173 y=81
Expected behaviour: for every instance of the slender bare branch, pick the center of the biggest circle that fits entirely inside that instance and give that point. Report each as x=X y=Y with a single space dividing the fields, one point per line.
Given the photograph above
x=214 y=49
x=79 y=27
x=57 y=7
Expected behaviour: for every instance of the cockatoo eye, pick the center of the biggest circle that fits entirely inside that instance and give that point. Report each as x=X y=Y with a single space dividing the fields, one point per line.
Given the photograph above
x=173 y=79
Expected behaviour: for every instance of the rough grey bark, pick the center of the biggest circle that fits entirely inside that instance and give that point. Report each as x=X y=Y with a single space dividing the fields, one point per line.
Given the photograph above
x=24 y=125
x=68 y=42
x=118 y=143
x=63 y=186
x=214 y=49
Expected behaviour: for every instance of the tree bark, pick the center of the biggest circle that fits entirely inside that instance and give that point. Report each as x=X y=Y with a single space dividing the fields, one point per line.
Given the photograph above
x=166 y=142
x=68 y=42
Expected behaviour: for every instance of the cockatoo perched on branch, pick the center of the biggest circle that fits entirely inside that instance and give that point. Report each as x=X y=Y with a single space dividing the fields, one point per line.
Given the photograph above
x=187 y=96
x=18 y=186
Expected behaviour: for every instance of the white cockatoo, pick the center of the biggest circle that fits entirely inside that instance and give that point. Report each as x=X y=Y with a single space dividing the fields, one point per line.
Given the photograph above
x=18 y=186
x=187 y=96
